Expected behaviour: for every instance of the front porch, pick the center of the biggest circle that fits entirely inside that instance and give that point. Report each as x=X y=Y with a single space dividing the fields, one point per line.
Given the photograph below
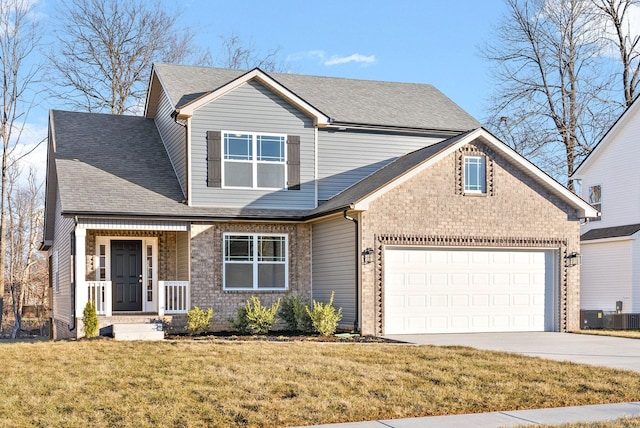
x=132 y=270
x=173 y=298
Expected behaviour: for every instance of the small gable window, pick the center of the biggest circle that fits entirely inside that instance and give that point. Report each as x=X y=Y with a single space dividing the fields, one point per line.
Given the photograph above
x=475 y=174
x=255 y=262
x=595 y=199
x=253 y=160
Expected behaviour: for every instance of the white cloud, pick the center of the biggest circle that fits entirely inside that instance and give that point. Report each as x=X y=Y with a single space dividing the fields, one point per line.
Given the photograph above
x=335 y=60
x=322 y=57
x=34 y=150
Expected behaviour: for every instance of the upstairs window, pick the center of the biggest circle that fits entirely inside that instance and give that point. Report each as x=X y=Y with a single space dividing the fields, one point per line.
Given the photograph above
x=254 y=160
x=475 y=175
x=595 y=199
x=255 y=262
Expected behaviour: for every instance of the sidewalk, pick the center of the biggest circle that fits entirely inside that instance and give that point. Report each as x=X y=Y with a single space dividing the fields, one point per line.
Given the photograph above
x=557 y=416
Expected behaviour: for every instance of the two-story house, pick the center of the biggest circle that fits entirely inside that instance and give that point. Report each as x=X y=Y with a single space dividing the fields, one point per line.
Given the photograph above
x=611 y=243
x=236 y=183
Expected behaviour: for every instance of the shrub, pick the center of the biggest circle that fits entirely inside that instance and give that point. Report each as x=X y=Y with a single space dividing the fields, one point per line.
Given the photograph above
x=293 y=311
x=198 y=320
x=254 y=318
x=90 y=319
x=324 y=317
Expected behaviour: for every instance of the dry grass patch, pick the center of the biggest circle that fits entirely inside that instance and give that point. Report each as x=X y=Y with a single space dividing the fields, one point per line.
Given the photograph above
x=631 y=334
x=619 y=423
x=203 y=383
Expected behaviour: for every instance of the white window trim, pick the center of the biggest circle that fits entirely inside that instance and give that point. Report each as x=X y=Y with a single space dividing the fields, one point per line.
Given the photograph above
x=255 y=261
x=596 y=205
x=464 y=173
x=254 y=162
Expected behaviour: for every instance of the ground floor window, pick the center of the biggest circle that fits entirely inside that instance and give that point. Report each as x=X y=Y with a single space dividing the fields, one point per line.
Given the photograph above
x=255 y=261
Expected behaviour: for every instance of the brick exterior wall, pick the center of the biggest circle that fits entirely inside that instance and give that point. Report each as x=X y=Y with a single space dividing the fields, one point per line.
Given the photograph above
x=431 y=209
x=206 y=267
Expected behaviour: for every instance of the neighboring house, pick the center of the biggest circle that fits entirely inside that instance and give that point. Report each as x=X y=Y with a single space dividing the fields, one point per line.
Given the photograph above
x=246 y=183
x=611 y=245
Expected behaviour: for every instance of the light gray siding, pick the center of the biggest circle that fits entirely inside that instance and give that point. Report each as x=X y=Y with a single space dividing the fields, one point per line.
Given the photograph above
x=344 y=158
x=173 y=137
x=252 y=108
x=62 y=303
x=333 y=266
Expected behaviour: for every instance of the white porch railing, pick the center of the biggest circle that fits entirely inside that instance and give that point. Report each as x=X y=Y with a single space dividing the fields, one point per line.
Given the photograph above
x=174 y=297
x=99 y=292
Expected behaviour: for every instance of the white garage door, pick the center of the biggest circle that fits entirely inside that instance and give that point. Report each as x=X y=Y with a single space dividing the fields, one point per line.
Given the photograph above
x=461 y=291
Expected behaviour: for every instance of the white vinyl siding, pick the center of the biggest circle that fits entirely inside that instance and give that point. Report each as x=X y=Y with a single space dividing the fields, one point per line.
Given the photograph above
x=344 y=158
x=253 y=108
x=173 y=138
x=333 y=266
x=615 y=169
x=62 y=247
x=606 y=275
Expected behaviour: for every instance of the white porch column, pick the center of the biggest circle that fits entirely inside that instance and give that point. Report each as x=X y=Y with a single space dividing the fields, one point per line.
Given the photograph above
x=80 y=262
x=161 y=298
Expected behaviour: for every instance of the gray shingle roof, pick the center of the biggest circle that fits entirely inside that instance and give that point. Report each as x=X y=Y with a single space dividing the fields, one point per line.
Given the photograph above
x=117 y=166
x=367 y=102
x=610 y=232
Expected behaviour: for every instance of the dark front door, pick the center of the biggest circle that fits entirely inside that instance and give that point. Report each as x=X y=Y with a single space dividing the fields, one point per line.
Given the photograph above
x=126 y=275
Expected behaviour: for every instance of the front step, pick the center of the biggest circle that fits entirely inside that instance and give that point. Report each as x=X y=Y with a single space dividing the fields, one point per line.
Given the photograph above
x=138 y=331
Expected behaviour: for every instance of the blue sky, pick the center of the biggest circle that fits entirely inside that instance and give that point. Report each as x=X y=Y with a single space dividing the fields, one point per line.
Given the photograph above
x=423 y=41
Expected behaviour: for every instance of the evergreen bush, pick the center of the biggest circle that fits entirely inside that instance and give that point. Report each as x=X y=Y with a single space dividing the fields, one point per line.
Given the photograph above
x=198 y=320
x=293 y=311
x=254 y=318
x=90 y=319
x=324 y=317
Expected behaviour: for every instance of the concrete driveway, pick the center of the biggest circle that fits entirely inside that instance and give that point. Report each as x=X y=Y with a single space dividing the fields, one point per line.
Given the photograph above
x=605 y=351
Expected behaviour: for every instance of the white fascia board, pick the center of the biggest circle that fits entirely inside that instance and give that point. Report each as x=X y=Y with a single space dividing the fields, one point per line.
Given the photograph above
x=584 y=208
x=606 y=240
x=320 y=118
x=611 y=134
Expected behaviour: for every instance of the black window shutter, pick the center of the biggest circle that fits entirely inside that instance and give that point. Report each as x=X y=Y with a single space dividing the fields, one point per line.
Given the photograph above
x=293 y=162
x=214 y=166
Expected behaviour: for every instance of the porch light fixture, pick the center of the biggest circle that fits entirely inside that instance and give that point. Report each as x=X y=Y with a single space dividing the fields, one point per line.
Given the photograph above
x=367 y=256
x=572 y=259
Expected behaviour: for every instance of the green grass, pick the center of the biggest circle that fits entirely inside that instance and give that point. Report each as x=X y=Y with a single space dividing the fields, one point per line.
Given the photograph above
x=103 y=383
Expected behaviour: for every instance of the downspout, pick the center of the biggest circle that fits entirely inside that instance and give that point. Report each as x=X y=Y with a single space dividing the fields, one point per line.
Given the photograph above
x=73 y=274
x=357 y=269
x=185 y=124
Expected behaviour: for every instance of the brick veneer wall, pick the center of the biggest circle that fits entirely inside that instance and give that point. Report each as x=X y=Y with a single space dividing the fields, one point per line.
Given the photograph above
x=206 y=267
x=431 y=210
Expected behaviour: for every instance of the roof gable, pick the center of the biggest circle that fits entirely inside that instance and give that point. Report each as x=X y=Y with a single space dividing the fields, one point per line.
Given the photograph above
x=361 y=194
x=339 y=100
x=630 y=114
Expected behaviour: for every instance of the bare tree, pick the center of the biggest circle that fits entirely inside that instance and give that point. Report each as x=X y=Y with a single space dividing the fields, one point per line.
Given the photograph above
x=552 y=101
x=105 y=49
x=619 y=31
x=24 y=227
x=238 y=55
x=19 y=39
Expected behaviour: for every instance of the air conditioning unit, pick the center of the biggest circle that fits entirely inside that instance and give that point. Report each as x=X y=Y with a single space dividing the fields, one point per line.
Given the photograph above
x=591 y=319
x=626 y=321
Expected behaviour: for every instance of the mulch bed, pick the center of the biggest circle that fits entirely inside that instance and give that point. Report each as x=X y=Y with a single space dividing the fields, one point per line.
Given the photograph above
x=282 y=336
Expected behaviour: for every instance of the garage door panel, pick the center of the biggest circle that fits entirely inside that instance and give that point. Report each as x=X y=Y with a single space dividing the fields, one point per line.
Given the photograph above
x=438 y=291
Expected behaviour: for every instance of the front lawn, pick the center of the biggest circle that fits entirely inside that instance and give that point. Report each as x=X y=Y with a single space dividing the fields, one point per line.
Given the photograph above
x=207 y=383
x=631 y=334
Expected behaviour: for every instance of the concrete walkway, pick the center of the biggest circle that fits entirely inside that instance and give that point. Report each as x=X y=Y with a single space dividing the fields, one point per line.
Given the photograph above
x=557 y=416
x=615 y=352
